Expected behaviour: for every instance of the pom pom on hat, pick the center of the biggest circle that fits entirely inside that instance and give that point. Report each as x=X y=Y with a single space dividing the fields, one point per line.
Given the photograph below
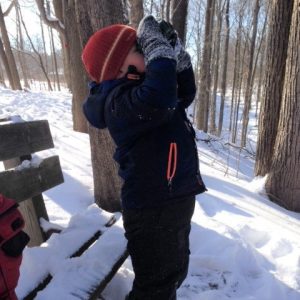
x=106 y=51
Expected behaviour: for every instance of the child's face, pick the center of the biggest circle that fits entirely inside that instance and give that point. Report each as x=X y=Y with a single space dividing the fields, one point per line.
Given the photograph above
x=134 y=58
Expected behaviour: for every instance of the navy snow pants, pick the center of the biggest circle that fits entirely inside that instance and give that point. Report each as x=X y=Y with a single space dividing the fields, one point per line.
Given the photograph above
x=158 y=243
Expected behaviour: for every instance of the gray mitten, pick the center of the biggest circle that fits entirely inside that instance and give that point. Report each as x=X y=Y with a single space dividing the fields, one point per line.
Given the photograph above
x=154 y=45
x=183 y=58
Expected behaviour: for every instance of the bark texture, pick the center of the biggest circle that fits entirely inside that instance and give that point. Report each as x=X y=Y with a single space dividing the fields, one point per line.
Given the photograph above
x=249 y=86
x=136 y=12
x=78 y=78
x=91 y=16
x=283 y=184
x=276 y=54
x=179 y=17
x=9 y=54
x=205 y=73
x=224 y=71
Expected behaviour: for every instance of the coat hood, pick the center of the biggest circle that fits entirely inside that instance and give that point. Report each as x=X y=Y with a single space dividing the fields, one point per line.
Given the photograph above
x=94 y=105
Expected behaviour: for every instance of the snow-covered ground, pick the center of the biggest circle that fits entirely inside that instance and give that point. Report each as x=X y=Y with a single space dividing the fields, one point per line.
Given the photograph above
x=243 y=246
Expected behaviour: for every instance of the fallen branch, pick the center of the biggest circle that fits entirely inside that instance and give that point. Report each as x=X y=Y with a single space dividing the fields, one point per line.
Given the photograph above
x=240 y=148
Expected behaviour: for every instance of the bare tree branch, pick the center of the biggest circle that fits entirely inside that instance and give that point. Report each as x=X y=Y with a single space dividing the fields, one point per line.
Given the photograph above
x=12 y=4
x=38 y=54
x=54 y=23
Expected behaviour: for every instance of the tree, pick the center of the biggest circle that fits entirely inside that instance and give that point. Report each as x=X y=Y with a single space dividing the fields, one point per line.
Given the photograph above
x=205 y=75
x=136 y=12
x=40 y=60
x=53 y=52
x=278 y=38
x=283 y=184
x=72 y=51
x=6 y=64
x=59 y=13
x=93 y=15
x=249 y=86
x=79 y=20
x=16 y=84
x=216 y=62
x=224 y=71
x=179 y=12
x=20 y=45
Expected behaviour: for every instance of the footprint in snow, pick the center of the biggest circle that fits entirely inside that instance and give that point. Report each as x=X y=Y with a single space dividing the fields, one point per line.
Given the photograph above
x=256 y=238
x=206 y=280
x=282 y=247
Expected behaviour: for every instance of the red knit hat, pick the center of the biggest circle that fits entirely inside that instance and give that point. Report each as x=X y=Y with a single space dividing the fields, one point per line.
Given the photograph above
x=106 y=51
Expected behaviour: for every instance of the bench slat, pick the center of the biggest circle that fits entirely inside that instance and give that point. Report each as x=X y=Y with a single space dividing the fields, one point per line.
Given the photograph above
x=18 y=139
x=28 y=183
x=78 y=252
x=94 y=295
x=95 y=267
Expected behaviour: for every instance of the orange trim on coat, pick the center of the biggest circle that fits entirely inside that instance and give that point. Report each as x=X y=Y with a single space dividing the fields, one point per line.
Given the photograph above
x=172 y=162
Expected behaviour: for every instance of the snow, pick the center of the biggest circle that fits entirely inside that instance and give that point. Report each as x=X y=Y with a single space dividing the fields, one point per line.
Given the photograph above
x=242 y=245
x=27 y=164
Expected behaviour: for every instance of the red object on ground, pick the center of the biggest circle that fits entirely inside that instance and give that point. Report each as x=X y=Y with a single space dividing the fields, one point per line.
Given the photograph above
x=12 y=242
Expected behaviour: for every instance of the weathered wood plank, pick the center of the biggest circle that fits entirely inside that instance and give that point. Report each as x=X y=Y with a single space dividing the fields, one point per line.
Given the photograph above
x=33 y=209
x=31 y=295
x=32 y=224
x=19 y=139
x=97 y=290
x=28 y=183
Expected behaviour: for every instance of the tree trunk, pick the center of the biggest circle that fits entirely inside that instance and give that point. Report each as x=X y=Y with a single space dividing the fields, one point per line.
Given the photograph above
x=20 y=41
x=179 y=17
x=44 y=45
x=283 y=184
x=205 y=75
x=260 y=79
x=59 y=13
x=2 y=80
x=224 y=71
x=6 y=64
x=54 y=59
x=9 y=54
x=249 y=87
x=237 y=52
x=53 y=53
x=199 y=26
x=213 y=103
x=240 y=79
x=273 y=83
x=168 y=9
x=91 y=16
x=136 y=12
x=78 y=78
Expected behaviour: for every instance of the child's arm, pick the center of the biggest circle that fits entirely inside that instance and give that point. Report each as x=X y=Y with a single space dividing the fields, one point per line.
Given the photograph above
x=186 y=87
x=154 y=99
x=156 y=96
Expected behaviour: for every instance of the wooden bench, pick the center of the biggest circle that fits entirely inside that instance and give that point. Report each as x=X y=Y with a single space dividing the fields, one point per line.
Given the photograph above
x=107 y=241
x=25 y=183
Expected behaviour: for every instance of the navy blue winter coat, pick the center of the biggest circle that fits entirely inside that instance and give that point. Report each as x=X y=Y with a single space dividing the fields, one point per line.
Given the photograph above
x=155 y=142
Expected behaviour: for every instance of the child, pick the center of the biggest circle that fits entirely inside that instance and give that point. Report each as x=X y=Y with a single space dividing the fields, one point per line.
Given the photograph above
x=141 y=99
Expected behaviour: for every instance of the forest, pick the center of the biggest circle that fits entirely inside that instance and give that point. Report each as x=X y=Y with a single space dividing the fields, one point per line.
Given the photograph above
x=246 y=56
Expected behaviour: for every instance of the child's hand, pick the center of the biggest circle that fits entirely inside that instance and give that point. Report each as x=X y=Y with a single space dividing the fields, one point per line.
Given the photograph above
x=154 y=45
